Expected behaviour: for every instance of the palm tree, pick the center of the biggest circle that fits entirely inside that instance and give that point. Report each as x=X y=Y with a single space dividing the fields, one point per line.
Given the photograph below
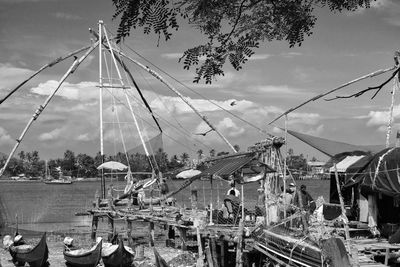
x=212 y=152
x=200 y=154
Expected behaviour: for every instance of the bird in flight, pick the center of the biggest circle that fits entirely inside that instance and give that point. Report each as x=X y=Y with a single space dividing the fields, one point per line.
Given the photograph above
x=204 y=134
x=233 y=103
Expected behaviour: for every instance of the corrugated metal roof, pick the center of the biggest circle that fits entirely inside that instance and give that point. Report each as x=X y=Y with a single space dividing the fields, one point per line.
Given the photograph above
x=227 y=166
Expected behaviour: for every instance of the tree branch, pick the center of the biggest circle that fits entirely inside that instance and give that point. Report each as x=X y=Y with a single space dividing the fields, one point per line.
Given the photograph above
x=236 y=22
x=377 y=88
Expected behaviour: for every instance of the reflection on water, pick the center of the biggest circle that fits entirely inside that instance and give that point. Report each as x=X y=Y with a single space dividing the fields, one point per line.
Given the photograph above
x=52 y=207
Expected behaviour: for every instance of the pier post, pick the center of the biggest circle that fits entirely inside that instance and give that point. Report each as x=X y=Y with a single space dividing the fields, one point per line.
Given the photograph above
x=129 y=232
x=111 y=231
x=193 y=199
x=95 y=222
x=151 y=233
x=214 y=254
x=224 y=253
x=209 y=256
x=200 y=260
x=239 y=245
x=182 y=235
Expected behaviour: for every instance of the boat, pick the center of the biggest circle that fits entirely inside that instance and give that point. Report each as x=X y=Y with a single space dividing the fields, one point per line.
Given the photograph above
x=35 y=257
x=58 y=181
x=117 y=255
x=83 y=257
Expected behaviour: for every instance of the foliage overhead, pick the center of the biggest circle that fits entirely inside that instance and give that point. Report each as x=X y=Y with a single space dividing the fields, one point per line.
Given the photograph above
x=234 y=28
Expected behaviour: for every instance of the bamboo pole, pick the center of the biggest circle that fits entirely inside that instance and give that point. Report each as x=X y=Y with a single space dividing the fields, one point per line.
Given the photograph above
x=370 y=75
x=169 y=86
x=48 y=65
x=346 y=225
x=200 y=260
x=239 y=245
x=37 y=113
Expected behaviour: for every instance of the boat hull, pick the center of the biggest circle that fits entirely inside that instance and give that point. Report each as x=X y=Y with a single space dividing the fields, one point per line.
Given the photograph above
x=119 y=258
x=36 y=257
x=86 y=259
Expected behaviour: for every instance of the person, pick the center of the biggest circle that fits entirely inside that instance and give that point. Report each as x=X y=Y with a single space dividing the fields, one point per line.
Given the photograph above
x=233 y=191
x=286 y=200
x=307 y=201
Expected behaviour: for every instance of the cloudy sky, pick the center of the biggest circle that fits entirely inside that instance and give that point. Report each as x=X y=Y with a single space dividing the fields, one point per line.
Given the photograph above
x=343 y=47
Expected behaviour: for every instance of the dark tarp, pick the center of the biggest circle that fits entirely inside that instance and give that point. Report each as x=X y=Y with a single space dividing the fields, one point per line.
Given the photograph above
x=332 y=148
x=227 y=165
x=380 y=173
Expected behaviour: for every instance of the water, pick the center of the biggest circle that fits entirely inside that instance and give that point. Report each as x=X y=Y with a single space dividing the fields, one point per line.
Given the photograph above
x=52 y=207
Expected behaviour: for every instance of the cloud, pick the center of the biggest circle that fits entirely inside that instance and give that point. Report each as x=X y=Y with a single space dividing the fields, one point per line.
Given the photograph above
x=315 y=131
x=230 y=128
x=278 y=90
x=377 y=118
x=176 y=105
x=66 y=16
x=10 y=76
x=172 y=55
x=226 y=126
x=52 y=135
x=260 y=56
x=5 y=138
x=84 y=137
x=79 y=91
x=304 y=118
x=291 y=54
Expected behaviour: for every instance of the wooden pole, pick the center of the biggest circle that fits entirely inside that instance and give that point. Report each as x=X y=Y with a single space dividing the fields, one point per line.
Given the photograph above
x=95 y=222
x=129 y=232
x=169 y=86
x=214 y=251
x=37 y=113
x=370 y=75
x=346 y=225
x=52 y=63
x=200 y=260
x=151 y=233
x=209 y=256
x=224 y=253
x=183 y=237
x=239 y=245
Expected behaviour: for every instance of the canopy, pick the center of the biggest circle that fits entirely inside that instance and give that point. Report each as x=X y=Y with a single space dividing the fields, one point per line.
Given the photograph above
x=331 y=147
x=187 y=174
x=112 y=165
x=381 y=173
x=227 y=165
x=344 y=164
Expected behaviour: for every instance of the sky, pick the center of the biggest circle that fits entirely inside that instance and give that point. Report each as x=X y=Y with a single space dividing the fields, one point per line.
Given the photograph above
x=343 y=46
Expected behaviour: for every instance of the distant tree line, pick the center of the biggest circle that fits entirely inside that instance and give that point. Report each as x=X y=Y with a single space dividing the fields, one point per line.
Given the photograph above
x=85 y=166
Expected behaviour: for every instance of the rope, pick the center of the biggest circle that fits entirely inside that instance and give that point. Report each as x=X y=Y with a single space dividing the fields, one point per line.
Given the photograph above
x=123 y=104
x=197 y=93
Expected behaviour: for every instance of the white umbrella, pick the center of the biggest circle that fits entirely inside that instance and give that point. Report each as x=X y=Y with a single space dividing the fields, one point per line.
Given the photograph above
x=188 y=174
x=112 y=165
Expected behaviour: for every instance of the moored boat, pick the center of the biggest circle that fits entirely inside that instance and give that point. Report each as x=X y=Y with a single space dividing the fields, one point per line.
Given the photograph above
x=83 y=257
x=117 y=255
x=35 y=256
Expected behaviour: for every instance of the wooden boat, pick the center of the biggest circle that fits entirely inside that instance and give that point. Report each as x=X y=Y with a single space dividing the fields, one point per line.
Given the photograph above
x=117 y=255
x=83 y=257
x=35 y=257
